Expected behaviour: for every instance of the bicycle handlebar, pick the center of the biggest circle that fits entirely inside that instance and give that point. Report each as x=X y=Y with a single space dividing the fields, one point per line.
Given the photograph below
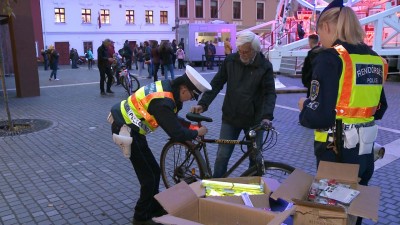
x=195 y=117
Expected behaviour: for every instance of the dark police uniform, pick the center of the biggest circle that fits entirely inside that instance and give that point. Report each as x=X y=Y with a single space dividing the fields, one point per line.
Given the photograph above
x=319 y=110
x=144 y=163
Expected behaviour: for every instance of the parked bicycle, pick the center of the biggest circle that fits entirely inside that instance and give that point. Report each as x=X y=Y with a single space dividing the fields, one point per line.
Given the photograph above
x=128 y=81
x=189 y=161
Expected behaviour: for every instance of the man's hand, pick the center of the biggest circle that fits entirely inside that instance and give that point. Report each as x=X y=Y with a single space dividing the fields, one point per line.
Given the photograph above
x=202 y=131
x=197 y=109
x=111 y=60
x=301 y=103
x=267 y=123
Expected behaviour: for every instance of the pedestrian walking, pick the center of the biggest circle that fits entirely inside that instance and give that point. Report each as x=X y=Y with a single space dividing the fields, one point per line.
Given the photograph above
x=90 y=58
x=54 y=55
x=180 y=54
x=166 y=59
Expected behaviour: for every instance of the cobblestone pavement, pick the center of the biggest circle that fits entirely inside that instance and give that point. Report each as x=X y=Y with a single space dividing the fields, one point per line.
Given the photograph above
x=72 y=172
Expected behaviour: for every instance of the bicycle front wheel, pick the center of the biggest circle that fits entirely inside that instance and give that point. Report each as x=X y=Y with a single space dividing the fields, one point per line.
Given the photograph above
x=276 y=170
x=134 y=84
x=178 y=163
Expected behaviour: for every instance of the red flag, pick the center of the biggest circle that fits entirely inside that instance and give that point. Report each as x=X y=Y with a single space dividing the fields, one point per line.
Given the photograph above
x=99 y=20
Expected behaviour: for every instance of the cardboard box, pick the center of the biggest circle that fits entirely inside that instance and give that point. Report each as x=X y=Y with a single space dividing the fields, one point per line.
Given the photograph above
x=185 y=207
x=295 y=188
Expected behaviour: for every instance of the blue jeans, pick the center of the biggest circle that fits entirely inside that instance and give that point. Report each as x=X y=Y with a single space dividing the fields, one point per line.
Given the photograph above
x=225 y=150
x=169 y=68
x=150 y=69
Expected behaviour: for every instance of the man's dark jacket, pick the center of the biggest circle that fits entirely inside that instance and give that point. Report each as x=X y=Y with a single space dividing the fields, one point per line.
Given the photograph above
x=250 y=91
x=306 y=71
x=102 y=57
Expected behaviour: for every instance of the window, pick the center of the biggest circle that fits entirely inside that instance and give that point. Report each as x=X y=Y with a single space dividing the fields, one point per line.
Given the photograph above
x=214 y=9
x=183 y=8
x=87 y=45
x=163 y=17
x=149 y=16
x=199 y=8
x=130 y=16
x=86 y=16
x=215 y=37
x=260 y=10
x=105 y=16
x=236 y=10
x=59 y=14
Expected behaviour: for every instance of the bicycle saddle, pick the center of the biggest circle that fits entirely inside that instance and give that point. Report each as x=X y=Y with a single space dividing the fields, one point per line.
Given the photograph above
x=197 y=117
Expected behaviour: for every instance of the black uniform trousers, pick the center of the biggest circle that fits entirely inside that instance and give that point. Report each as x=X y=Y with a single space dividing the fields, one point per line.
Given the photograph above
x=103 y=72
x=148 y=173
x=350 y=156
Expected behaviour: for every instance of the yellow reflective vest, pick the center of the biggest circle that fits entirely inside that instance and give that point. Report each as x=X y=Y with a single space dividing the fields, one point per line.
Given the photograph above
x=360 y=88
x=134 y=109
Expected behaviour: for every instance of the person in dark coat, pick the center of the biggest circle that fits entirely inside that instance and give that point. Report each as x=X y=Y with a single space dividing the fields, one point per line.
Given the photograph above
x=44 y=54
x=104 y=61
x=130 y=125
x=300 y=30
x=174 y=49
x=249 y=99
x=53 y=55
x=306 y=71
x=128 y=54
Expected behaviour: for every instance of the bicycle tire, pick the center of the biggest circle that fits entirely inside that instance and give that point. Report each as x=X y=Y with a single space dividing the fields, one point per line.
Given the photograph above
x=178 y=164
x=276 y=170
x=106 y=80
x=135 y=84
x=124 y=82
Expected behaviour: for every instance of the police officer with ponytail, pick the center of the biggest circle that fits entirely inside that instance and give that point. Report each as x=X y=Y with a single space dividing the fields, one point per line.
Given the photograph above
x=154 y=105
x=347 y=85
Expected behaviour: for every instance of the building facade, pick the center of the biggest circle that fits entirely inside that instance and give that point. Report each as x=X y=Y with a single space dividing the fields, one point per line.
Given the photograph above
x=84 y=24
x=243 y=13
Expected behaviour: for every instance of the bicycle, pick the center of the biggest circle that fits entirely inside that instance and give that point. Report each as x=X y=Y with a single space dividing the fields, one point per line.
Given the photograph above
x=189 y=161
x=130 y=83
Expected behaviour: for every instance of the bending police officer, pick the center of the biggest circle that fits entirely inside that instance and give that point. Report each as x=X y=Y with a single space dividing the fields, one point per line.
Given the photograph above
x=156 y=104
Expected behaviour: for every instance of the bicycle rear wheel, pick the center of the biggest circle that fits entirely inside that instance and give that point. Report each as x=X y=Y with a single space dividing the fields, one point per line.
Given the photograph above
x=276 y=170
x=178 y=163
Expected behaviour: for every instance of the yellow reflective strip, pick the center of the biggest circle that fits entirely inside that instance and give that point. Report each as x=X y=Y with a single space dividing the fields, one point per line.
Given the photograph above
x=320 y=136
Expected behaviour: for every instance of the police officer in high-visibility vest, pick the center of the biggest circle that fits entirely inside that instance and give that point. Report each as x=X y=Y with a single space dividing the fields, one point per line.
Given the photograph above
x=153 y=105
x=347 y=84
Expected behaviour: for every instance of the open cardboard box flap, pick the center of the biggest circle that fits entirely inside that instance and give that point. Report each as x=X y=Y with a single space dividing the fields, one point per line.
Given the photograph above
x=297 y=185
x=177 y=197
x=341 y=172
x=183 y=205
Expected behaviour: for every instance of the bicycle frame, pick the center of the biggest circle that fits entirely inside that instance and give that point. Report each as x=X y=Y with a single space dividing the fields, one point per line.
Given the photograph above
x=251 y=148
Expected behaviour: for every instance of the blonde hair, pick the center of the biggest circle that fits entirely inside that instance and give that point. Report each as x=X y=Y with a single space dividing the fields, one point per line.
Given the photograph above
x=348 y=28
